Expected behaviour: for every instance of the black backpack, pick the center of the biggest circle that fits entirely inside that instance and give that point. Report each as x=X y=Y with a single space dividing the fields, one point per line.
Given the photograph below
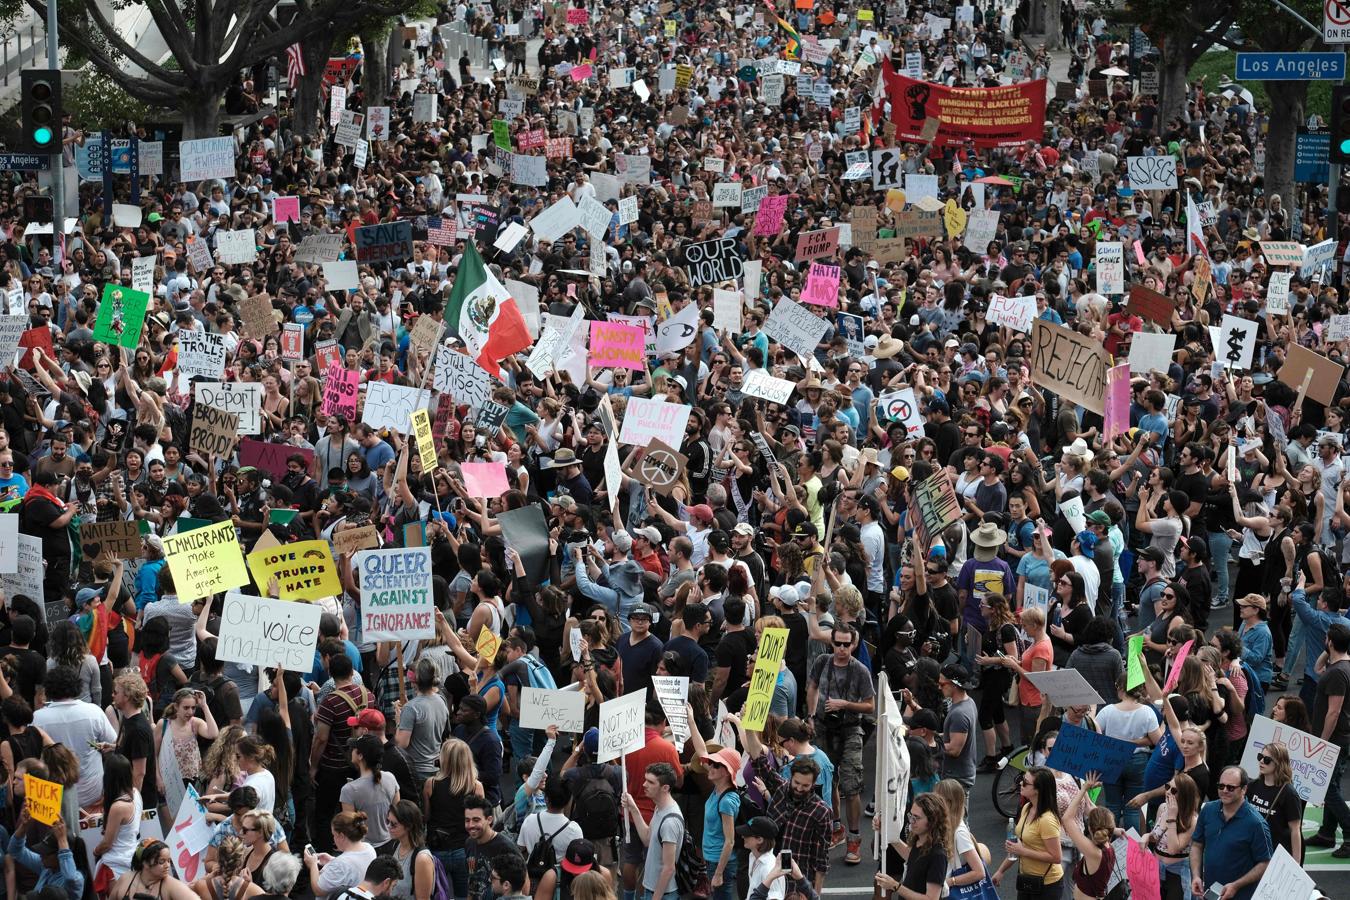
x=543 y=857
x=596 y=806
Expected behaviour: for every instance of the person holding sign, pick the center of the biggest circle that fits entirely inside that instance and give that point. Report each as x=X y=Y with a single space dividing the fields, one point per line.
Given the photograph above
x=51 y=858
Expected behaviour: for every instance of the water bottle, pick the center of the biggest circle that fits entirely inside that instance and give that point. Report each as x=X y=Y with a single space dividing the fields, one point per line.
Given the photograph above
x=1012 y=835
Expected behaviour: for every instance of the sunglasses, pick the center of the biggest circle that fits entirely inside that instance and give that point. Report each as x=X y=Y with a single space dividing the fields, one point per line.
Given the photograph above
x=843 y=643
x=1261 y=757
x=1171 y=789
x=1230 y=787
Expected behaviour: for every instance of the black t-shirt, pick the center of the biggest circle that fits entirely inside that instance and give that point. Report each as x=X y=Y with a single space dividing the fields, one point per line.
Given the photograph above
x=925 y=868
x=733 y=650
x=1278 y=806
x=1335 y=682
x=1196 y=487
x=478 y=859
x=136 y=740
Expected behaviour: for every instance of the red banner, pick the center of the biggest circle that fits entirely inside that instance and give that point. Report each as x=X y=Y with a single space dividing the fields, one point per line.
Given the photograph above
x=991 y=117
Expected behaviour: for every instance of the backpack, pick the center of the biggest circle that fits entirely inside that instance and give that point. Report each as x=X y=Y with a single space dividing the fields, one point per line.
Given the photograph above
x=441 y=888
x=543 y=857
x=747 y=810
x=209 y=688
x=596 y=805
x=540 y=676
x=691 y=872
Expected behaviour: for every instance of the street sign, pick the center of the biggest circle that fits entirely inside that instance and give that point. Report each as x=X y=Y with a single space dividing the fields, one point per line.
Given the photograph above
x=24 y=162
x=1336 y=21
x=1311 y=149
x=1290 y=66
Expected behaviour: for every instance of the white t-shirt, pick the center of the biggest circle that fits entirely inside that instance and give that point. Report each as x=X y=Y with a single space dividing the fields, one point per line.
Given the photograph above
x=265 y=784
x=545 y=824
x=345 y=870
x=762 y=864
x=1092 y=577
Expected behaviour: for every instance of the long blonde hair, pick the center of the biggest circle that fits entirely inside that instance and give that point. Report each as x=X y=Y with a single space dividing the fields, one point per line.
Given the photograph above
x=950 y=792
x=220 y=758
x=592 y=885
x=458 y=766
x=1280 y=767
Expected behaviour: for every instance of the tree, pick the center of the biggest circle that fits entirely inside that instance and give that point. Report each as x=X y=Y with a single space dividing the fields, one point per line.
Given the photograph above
x=1182 y=32
x=210 y=43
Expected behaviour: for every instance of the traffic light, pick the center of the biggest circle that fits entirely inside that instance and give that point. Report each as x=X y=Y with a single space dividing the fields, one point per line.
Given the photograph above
x=40 y=103
x=1340 y=124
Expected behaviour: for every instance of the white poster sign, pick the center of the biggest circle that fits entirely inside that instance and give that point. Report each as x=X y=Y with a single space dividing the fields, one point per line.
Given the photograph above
x=541 y=708
x=391 y=405
x=206 y=158
x=1151 y=351
x=239 y=247
x=622 y=725
x=1312 y=759
x=201 y=354
x=1110 y=267
x=260 y=631
x=244 y=399
x=759 y=383
x=795 y=327
x=396 y=602
x=645 y=420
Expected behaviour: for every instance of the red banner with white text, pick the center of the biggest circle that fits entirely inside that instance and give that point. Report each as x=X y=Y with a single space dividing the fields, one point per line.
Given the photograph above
x=991 y=117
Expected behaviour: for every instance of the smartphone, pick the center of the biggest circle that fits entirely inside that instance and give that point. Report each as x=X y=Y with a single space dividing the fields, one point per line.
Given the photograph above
x=785 y=860
x=309 y=850
x=1215 y=891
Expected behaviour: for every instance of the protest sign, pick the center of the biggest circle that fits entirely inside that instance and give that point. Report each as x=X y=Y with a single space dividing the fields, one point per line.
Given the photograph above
x=646 y=420
x=937 y=503
x=396 y=603
x=391 y=405
x=238 y=247
x=672 y=692
x=42 y=798
x=540 y=708
x=981 y=228
x=1236 y=344
x=1283 y=253
x=711 y=262
x=317 y=249
x=1141 y=869
x=243 y=399
x=622 y=725
x=340 y=389
x=292 y=341
x=350 y=540
x=1080 y=751
x=458 y=375
x=270 y=457
x=118 y=539
x=1065 y=687
x=764 y=677
x=658 y=466
x=1312 y=759
x=386 y=242
x=759 y=383
x=32 y=340
x=1150 y=305
x=1277 y=293
x=822 y=285
x=526 y=530
x=1317 y=256
x=286 y=209
x=206 y=158
x=1283 y=879
x=205 y=561
x=260 y=631
x=617 y=345
x=677 y=331
x=901 y=406
x=12 y=329
x=1151 y=352
x=484 y=480
x=1134 y=666
x=1152 y=173
x=490 y=417
x=795 y=327
x=303 y=571
x=727 y=306
x=121 y=316
x=1110 y=267
x=817 y=244
x=1117 y=400
x=26 y=577
x=201 y=354
x=1012 y=312
x=426 y=442
x=214 y=432
x=769 y=214
x=1323 y=375
x=1069 y=364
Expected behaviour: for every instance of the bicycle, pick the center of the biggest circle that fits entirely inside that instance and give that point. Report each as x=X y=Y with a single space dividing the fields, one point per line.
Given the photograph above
x=1007 y=780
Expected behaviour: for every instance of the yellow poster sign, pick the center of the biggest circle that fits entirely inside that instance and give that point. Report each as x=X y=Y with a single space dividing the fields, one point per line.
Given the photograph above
x=426 y=444
x=489 y=642
x=205 y=561
x=43 y=799
x=304 y=570
x=772 y=647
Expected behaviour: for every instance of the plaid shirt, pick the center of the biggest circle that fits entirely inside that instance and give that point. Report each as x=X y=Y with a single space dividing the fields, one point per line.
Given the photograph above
x=803 y=826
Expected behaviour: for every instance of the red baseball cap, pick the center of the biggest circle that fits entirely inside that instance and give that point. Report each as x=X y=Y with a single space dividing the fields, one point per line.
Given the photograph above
x=369 y=719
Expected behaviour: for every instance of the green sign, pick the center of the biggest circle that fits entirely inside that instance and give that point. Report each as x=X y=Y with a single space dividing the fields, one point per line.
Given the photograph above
x=501 y=133
x=121 y=315
x=1134 y=671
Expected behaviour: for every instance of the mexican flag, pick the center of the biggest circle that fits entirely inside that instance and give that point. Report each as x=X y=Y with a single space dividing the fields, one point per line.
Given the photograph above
x=484 y=315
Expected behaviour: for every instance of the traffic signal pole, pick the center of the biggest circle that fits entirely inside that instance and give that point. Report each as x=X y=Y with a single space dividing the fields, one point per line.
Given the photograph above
x=57 y=158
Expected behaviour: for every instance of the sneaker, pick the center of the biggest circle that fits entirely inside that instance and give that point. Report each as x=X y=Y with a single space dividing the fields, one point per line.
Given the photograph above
x=871 y=809
x=854 y=854
x=837 y=837
x=1216 y=603
x=1280 y=682
x=990 y=764
x=1342 y=852
x=1320 y=840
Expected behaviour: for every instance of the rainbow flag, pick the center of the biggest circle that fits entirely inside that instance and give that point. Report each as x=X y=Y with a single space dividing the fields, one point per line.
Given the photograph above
x=792 y=38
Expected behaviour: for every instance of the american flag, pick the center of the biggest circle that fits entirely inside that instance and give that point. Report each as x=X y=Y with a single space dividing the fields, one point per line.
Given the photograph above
x=295 y=64
x=441 y=231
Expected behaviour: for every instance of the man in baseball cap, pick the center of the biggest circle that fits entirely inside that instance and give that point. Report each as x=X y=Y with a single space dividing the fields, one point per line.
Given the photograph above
x=368 y=721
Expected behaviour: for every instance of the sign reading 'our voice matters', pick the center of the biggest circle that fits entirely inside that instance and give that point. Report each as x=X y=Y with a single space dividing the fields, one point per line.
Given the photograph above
x=260 y=631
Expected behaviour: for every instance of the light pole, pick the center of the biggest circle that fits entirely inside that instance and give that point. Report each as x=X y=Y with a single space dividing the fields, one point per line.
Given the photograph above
x=58 y=158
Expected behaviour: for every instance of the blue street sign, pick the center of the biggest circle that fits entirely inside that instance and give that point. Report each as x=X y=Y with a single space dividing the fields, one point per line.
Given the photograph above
x=24 y=162
x=1311 y=149
x=1290 y=67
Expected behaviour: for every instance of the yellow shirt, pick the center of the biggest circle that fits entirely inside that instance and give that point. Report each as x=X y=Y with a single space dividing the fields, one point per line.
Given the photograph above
x=1043 y=835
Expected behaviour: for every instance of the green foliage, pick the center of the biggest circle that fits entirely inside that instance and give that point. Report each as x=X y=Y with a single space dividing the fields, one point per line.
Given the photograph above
x=1218 y=65
x=97 y=103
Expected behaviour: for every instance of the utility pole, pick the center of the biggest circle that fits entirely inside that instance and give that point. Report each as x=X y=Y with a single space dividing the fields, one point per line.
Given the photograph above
x=58 y=158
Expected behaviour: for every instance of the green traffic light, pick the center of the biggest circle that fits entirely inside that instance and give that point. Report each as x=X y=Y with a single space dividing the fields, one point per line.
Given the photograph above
x=42 y=136
x=1345 y=146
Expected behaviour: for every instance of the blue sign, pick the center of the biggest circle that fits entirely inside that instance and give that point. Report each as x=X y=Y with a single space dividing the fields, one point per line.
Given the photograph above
x=25 y=162
x=1311 y=149
x=1079 y=751
x=1290 y=67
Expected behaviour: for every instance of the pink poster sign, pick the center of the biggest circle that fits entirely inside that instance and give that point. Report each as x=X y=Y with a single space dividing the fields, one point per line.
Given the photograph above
x=616 y=345
x=286 y=209
x=1117 y=400
x=822 y=285
x=769 y=218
